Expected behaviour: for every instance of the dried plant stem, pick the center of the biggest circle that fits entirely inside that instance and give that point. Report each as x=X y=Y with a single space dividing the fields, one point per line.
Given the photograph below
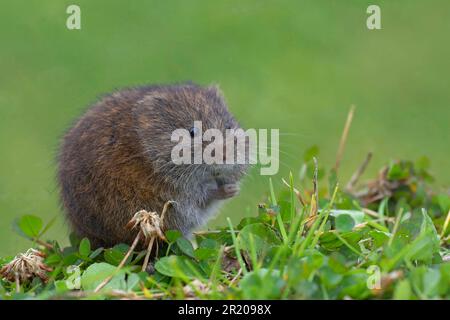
x=235 y=277
x=370 y=212
x=344 y=138
x=296 y=191
x=43 y=243
x=147 y=255
x=355 y=177
x=377 y=216
x=122 y=263
x=164 y=210
x=113 y=294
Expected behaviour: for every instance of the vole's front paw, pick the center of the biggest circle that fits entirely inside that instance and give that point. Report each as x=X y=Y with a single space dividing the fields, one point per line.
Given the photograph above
x=226 y=191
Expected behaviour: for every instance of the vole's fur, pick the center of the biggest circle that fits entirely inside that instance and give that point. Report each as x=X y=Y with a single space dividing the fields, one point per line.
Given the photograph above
x=116 y=160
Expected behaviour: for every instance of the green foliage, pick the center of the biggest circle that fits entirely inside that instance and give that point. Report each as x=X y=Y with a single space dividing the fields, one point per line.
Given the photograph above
x=85 y=248
x=357 y=245
x=97 y=272
x=29 y=226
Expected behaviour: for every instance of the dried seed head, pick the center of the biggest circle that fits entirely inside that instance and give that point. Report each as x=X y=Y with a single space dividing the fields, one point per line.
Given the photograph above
x=26 y=266
x=149 y=223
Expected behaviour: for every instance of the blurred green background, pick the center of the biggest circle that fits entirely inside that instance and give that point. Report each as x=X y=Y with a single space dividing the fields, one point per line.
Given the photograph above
x=293 y=65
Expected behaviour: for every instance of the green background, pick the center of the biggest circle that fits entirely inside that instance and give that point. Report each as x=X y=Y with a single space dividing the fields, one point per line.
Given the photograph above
x=292 y=65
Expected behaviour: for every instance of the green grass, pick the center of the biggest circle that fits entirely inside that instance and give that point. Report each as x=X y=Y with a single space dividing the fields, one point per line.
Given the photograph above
x=350 y=244
x=292 y=65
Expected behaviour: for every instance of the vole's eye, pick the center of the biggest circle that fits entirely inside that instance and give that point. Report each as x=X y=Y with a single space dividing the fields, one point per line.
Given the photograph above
x=193 y=131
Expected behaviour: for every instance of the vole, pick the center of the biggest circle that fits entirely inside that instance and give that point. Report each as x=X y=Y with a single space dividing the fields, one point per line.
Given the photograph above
x=116 y=160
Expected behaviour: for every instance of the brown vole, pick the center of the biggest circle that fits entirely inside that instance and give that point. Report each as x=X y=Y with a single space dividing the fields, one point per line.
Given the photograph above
x=116 y=160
